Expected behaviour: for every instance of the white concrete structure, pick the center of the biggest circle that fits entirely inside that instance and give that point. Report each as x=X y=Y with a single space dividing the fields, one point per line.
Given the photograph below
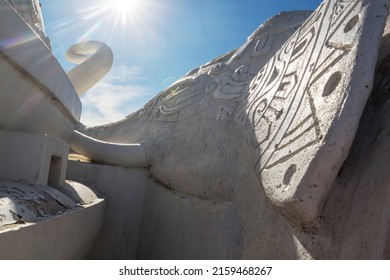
x=30 y=11
x=296 y=105
x=38 y=208
x=42 y=223
x=301 y=112
x=33 y=158
x=44 y=89
x=142 y=216
x=244 y=157
x=264 y=131
x=42 y=216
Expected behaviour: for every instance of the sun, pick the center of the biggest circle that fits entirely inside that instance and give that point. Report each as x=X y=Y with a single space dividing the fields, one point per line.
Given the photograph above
x=123 y=5
x=124 y=8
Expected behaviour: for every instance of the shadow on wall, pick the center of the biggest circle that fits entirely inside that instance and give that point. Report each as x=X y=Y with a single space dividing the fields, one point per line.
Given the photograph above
x=356 y=216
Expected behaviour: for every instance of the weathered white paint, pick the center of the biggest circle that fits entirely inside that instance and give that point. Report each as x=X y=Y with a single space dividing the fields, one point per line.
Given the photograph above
x=41 y=215
x=63 y=235
x=20 y=202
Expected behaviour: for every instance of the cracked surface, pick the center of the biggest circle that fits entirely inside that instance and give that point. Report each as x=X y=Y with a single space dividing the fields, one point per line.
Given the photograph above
x=21 y=203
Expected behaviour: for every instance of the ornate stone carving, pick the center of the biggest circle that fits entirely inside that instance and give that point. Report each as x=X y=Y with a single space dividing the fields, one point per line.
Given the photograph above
x=302 y=109
x=227 y=76
x=296 y=105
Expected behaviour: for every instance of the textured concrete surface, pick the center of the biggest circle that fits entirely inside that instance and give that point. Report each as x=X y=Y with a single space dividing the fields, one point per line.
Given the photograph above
x=33 y=158
x=176 y=226
x=124 y=191
x=145 y=220
x=250 y=155
x=279 y=144
x=37 y=64
x=197 y=113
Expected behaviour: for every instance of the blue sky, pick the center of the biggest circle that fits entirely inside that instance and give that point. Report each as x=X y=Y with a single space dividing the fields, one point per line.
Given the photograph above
x=155 y=42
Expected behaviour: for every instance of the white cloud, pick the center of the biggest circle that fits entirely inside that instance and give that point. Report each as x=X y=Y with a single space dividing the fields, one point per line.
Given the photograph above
x=114 y=97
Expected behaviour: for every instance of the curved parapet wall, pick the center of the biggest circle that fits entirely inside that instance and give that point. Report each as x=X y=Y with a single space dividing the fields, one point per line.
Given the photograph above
x=95 y=61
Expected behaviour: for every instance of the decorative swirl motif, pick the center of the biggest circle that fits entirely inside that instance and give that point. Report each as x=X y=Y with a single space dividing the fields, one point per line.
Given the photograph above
x=217 y=69
x=241 y=74
x=177 y=97
x=95 y=61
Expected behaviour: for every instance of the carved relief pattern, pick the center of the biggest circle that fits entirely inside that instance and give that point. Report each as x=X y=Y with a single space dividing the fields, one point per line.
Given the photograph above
x=278 y=112
x=226 y=77
x=232 y=84
x=170 y=102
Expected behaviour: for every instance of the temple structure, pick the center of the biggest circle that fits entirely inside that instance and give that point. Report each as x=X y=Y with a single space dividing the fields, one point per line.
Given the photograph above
x=276 y=150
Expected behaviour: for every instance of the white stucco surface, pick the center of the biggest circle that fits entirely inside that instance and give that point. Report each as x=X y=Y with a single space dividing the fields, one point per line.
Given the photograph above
x=268 y=152
x=33 y=158
x=29 y=69
x=124 y=192
x=144 y=220
x=275 y=142
x=285 y=107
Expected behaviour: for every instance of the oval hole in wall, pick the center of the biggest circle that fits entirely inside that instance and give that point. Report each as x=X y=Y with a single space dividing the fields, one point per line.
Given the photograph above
x=351 y=24
x=332 y=84
x=289 y=173
x=275 y=74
